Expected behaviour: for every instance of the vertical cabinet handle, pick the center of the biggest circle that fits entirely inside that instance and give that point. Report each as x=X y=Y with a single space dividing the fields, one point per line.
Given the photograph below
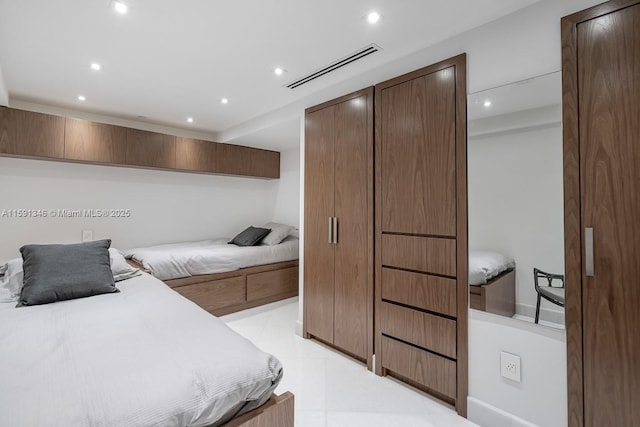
x=335 y=230
x=588 y=251
x=330 y=229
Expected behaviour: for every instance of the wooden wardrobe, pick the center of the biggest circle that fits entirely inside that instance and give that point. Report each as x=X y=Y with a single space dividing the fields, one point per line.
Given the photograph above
x=338 y=224
x=421 y=259
x=601 y=127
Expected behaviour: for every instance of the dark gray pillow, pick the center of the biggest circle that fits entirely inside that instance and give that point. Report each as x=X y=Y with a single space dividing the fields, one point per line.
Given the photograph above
x=62 y=272
x=250 y=236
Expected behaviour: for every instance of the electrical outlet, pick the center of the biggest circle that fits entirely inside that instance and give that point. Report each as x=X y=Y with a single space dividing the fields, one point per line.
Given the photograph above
x=87 y=235
x=510 y=366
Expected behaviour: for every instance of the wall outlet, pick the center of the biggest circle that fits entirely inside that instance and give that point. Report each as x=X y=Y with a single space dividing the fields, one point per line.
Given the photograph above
x=510 y=366
x=87 y=235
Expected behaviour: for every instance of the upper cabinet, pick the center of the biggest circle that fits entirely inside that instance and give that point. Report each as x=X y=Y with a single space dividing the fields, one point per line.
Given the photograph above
x=28 y=134
x=23 y=133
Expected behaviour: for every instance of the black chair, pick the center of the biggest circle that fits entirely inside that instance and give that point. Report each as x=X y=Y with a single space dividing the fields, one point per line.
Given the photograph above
x=554 y=294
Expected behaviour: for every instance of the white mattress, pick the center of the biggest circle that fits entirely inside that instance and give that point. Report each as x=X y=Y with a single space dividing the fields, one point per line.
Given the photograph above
x=484 y=266
x=143 y=357
x=186 y=259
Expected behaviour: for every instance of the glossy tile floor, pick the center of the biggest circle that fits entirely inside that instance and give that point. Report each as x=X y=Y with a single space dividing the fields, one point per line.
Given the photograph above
x=331 y=389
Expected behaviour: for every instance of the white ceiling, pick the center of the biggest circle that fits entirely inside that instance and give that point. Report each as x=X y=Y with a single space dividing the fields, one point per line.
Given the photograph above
x=169 y=60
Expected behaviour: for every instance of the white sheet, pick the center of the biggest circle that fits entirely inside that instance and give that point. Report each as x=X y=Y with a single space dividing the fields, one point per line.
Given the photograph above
x=143 y=357
x=209 y=256
x=483 y=266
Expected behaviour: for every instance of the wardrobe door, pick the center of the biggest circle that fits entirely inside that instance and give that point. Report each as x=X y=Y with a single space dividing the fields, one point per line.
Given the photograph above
x=353 y=176
x=318 y=212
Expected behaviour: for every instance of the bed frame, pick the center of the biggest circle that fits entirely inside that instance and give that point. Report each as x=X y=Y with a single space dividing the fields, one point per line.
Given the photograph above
x=224 y=293
x=497 y=296
x=278 y=411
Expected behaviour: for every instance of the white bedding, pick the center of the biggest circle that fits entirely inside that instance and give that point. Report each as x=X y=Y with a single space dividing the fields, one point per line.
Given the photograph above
x=483 y=266
x=143 y=357
x=186 y=259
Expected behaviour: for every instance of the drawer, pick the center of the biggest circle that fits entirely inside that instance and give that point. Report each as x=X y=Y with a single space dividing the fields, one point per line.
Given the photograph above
x=271 y=283
x=476 y=301
x=426 y=254
x=215 y=294
x=430 y=370
x=424 y=291
x=432 y=332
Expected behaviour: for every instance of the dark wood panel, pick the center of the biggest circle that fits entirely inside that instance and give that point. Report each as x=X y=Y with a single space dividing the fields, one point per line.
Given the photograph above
x=195 y=155
x=264 y=163
x=352 y=258
x=23 y=133
x=430 y=370
x=150 y=149
x=232 y=160
x=498 y=296
x=425 y=254
x=318 y=209
x=216 y=294
x=609 y=112
x=278 y=411
x=269 y=283
x=419 y=155
x=429 y=331
x=433 y=293
x=94 y=142
x=173 y=283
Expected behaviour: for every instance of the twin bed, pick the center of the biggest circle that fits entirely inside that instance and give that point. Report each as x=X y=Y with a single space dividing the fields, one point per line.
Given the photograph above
x=492 y=283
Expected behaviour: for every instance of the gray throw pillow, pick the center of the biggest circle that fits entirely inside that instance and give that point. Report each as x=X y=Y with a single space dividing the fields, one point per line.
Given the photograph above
x=250 y=236
x=63 y=272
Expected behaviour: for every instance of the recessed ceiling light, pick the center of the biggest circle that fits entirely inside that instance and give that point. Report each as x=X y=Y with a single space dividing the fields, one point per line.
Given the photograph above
x=95 y=66
x=190 y=119
x=82 y=98
x=224 y=100
x=373 y=17
x=487 y=103
x=279 y=71
x=120 y=7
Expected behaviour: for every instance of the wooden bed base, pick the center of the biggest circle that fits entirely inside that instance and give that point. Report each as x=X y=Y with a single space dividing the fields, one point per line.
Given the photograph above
x=224 y=293
x=498 y=296
x=277 y=412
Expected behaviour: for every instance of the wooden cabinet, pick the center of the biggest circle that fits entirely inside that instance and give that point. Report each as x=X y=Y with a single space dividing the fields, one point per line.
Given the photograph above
x=339 y=223
x=601 y=131
x=195 y=155
x=421 y=230
x=150 y=149
x=23 y=133
x=94 y=142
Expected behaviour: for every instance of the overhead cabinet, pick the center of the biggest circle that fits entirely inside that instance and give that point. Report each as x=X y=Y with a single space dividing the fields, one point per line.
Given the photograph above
x=338 y=248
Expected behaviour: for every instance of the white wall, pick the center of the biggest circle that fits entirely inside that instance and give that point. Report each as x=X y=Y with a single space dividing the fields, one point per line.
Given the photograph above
x=516 y=204
x=165 y=206
x=287 y=202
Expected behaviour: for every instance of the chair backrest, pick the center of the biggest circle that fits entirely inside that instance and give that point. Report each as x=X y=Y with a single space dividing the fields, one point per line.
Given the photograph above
x=549 y=276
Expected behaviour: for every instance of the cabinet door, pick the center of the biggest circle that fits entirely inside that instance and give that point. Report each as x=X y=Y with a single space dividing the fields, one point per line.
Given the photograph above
x=609 y=120
x=150 y=149
x=94 y=142
x=23 y=133
x=318 y=209
x=418 y=155
x=195 y=155
x=353 y=176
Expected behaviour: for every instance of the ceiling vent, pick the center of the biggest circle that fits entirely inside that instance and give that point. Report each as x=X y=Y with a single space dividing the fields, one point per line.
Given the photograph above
x=355 y=56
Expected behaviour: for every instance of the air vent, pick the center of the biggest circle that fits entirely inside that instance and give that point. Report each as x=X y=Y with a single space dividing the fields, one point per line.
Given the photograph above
x=366 y=51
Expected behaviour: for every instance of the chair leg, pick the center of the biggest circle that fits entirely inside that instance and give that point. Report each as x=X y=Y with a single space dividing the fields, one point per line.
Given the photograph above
x=538 y=309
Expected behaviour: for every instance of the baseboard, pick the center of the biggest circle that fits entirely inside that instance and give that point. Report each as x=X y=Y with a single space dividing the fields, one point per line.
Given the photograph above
x=299 y=328
x=486 y=415
x=553 y=316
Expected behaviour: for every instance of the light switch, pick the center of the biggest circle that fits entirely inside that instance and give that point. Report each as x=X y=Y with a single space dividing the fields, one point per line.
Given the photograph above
x=87 y=235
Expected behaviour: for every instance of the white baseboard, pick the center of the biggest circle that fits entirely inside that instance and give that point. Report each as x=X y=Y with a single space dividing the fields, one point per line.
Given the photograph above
x=553 y=316
x=486 y=415
x=299 y=328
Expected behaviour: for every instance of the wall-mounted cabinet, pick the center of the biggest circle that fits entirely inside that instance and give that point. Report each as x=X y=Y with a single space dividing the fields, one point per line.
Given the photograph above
x=44 y=136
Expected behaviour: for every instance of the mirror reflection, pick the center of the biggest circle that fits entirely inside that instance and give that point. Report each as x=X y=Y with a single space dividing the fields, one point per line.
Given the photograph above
x=516 y=247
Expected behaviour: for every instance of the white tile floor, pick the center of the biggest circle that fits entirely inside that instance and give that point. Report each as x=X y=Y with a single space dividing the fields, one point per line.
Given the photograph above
x=331 y=389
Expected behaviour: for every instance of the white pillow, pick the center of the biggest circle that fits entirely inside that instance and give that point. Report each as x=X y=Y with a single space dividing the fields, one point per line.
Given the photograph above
x=277 y=234
x=484 y=266
x=120 y=268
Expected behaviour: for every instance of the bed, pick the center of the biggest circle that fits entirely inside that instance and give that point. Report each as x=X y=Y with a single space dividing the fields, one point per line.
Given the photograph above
x=224 y=278
x=144 y=356
x=492 y=283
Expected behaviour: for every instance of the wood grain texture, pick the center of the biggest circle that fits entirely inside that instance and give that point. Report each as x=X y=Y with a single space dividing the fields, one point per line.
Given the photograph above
x=195 y=155
x=277 y=411
x=264 y=163
x=498 y=296
x=609 y=129
x=434 y=333
x=215 y=294
x=23 y=133
x=246 y=161
x=424 y=291
x=173 y=283
x=318 y=209
x=432 y=371
x=94 y=142
x=424 y=254
x=270 y=283
x=418 y=155
x=150 y=149
x=352 y=260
